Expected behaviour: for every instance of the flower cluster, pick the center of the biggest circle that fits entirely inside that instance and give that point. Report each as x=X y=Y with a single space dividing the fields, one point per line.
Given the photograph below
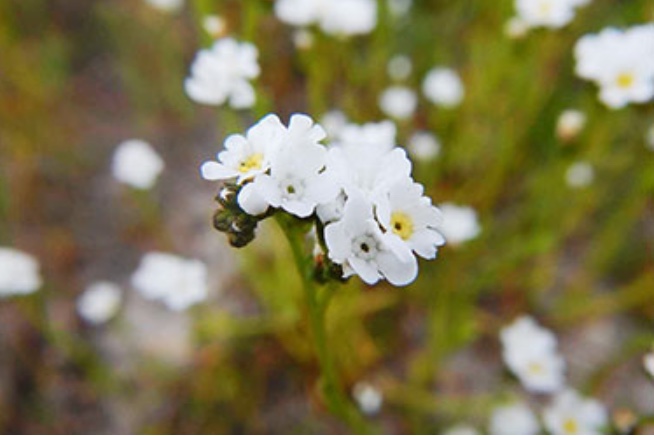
x=620 y=62
x=547 y=13
x=336 y=17
x=19 y=273
x=372 y=218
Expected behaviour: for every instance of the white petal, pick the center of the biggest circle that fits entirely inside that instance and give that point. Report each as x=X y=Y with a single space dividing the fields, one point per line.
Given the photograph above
x=365 y=270
x=251 y=201
x=212 y=170
x=396 y=271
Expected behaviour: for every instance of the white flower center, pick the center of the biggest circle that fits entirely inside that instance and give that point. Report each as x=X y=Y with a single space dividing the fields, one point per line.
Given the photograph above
x=252 y=162
x=365 y=246
x=625 y=80
x=292 y=188
x=402 y=225
x=570 y=426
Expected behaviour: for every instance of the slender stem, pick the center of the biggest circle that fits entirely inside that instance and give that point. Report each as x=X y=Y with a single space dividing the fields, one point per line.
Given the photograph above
x=335 y=398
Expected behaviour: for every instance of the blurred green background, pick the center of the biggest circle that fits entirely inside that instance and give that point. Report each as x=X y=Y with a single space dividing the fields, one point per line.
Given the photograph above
x=79 y=76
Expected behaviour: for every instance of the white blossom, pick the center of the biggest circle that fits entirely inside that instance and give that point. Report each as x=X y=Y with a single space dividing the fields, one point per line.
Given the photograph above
x=571 y=414
x=516 y=28
x=648 y=363
x=368 y=398
x=529 y=351
x=334 y=121
x=214 y=25
x=460 y=223
x=424 y=146
x=336 y=17
x=399 y=8
x=221 y=74
x=515 y=418
x=99 y=302
x=569 y=124
x=545 y=13
x=135 y=163
x=399 y=67
x=303 y=39
x=462 y=428
x=398 y=102
x=177 y=282
x=19 y=273
x=166 y=5
x=579 y=175
x=443 y=87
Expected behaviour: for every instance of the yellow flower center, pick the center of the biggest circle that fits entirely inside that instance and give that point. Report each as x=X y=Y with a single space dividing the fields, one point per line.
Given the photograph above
x=402 y=225
x=625 y=80
x=545 y=8
x=535 y=368
x=253 y=162
x=570 y=426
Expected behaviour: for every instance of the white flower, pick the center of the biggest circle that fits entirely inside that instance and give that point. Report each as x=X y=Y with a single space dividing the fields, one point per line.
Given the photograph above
x=19 y=273
x=516 y=28
x=649 y=138
x=546 y=13
x=620 y=62
x=166 y=5
x=569 y=124
x=398 y=102
x=333 y=122
x=303 y=39
x=221 y=74
x=368 y=398
x=462 y=429
x=357 y=243
x=570 y=414
x=137 y=164
x=214 y=25
x=516 y=418
x=297 y=181
x=424 y=146
x=374 y=137
x=246 y=156
x=579 y=175
x=529 y=351
x=399 y=67
x=648 y=363
x=99 y=302
x=176 y=281
x=399 y=8
x=338 y=17
x=460 y=223
x=404 y=213
x=443 y=87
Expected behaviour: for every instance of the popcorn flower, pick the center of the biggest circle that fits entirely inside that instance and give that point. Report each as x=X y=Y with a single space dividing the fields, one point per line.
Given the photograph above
x=529 y=351
x=515 y=418
x=99 y=302
x=443 y=87
x=424 y=146
x=398 y=102
x=569 y=124
x=579 y=175
x=135 y=163
x=221 y=74
x=460 y=223
x=648 y=363
x=335 y=17
x=547 y=13
x=166 y=5
x=571 y=414
x=368 y=398
x=19 y=273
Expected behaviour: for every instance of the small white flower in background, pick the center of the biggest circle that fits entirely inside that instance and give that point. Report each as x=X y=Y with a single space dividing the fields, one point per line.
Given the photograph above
x=333 y=122
x=99 y=302
x=19 y=272
x=579 y=175
x=571 y=414
x=135 y=163
x=368 y=398
x=620 y=62
x=443 y=87
x=424 y=146
x=547 y=13
x=462 y=429
x=166 y=5
x=370 y=136
x=221 y=74
x=399 y=8
x=569 y=124
x=648 y=363
x=530 y=352
x=214 y=25
x=399 y=67
x=303 y=39
x=398 y=102
x=246 y=156
x=460 y=223
x=177 y=282
x=516 y=28
x=336 y=17
x=649 y=138
x=516 y=418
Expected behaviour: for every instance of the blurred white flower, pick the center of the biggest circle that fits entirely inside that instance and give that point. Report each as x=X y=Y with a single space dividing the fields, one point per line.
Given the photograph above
x=649 y=138
x=620 y=62
x=399 y=67
x=221 y=74
x=460 y=223
x=546 y=13
x=424 y=146
x=135 y=163
x=303 y=39
x=333 y=122
x=166 y=5
x=529 y=351
x=99 y=302
x=214 y=25
x=246 y=156
x=373 y=137
x=648 y=363
x=579 y=175
x=176 y=281
x=368 y=398
x=398 y=102
x=337 y=17
x=399 y=8
x=569 y=124
x=516 y=418
x=443 y=87
x=571 y=414
x=516 y=28
x=19 y=273
x=462 y=429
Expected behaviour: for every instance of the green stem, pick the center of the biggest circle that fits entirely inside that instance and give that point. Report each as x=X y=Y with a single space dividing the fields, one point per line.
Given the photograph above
x=332 y=390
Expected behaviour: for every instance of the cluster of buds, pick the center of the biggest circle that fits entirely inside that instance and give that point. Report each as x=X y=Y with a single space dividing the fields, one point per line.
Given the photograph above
x=231 y=219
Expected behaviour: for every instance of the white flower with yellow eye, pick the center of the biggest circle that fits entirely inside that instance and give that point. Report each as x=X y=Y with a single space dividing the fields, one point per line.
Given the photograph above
x=569 y=413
